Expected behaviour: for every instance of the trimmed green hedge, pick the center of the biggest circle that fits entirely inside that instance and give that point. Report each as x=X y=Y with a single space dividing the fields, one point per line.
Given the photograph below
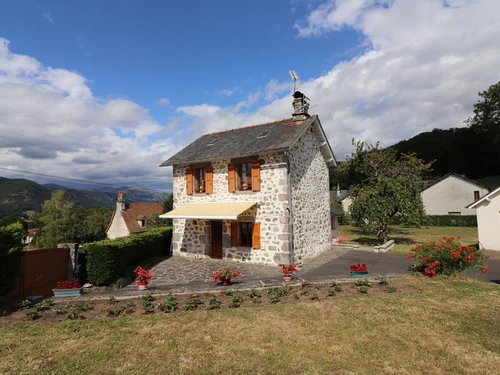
x=108 y=260
x=444 y=221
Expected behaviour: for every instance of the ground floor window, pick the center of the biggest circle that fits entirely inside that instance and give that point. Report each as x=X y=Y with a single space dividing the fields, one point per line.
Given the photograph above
x=245 y=234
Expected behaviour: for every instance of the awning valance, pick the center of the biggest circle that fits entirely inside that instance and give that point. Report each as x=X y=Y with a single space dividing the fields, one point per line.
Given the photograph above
x=209 y=211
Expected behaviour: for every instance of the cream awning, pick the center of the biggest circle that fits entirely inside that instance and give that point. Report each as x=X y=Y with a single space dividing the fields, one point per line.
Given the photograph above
x=209 y=211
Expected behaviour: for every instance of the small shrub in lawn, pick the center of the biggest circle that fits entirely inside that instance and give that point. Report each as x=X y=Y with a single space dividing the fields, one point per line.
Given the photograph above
x=115 y=312
x=228 y=293
x=274 y=298
x=84 y=306
x=169 y=305
x=112 y=300
x=148 y=306
x=193 y=302
x=75 y=315
x=235 y=301
x=447 y=257
x=363 y=289
x=363 y=283
x=255 y=295
x=313 y=296
x=24 y=304
x=331 y=292
x=336 y=286
x=32 y=315
x=383 y=282
x=59 y=310
x=296 y=296
x=306 y=284
x=214 y=303
x=280 y=291
x=148 y=297
x=40 y=307
x=49 y=302
x=390 y=289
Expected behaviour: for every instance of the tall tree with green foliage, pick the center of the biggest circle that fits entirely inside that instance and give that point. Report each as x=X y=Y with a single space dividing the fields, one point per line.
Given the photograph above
x=487 y=112
x=11 y=237
x=54 y=222
x=88 y=224
x=388 y=186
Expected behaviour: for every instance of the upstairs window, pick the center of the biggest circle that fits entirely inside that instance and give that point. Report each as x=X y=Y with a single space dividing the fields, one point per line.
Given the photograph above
x=476 y=195
x=244 y=176
x=199 y=179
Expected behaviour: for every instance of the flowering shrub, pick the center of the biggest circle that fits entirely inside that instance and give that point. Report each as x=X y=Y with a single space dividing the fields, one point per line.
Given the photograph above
x=68 y=285
x=287 y=269
x=340 y=239
x=447 y=256
x=142 y=275
x=358 y=267
x=225 y=274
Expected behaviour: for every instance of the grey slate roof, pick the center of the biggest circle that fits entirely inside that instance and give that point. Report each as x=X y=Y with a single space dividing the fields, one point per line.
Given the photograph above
x=459 y=176
x=246 y=141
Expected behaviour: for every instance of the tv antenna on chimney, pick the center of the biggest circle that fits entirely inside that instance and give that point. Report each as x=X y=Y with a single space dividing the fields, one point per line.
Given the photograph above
x=295 y=77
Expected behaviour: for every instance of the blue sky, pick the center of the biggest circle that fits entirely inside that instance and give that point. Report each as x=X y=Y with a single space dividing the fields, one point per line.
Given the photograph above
x=106 y=90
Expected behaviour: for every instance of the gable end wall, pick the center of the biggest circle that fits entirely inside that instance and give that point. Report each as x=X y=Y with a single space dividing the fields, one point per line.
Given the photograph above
x=310 y=198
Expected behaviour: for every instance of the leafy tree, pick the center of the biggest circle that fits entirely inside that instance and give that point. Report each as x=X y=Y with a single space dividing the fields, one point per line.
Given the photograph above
x=487 y=112
x=12 y=220
x=88 y=224
x=54 y=222
x=168 y=205
x=10 y=256
x=388 y=186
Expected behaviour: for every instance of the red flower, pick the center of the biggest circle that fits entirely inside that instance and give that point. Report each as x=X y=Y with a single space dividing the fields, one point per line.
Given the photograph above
x=485 y=269
x=444 y=238
x=426 y=259
x=411 y=255
x=452 y=238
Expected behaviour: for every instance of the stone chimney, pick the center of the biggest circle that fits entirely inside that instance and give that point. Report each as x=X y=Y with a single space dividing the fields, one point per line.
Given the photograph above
x=300 y=106
x=120 y=202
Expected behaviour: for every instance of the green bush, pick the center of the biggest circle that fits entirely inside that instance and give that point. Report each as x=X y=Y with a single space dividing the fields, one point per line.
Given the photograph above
x=447 y=257
x=10 y=256
x=108 y=260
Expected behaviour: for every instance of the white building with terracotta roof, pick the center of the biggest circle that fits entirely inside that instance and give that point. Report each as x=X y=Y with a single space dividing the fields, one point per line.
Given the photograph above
x=130 y=218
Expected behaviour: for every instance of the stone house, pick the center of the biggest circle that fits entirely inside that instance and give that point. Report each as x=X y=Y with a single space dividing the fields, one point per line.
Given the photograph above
x=450 y=194
x=256 y=194
x=488 y=220
x=130 y=218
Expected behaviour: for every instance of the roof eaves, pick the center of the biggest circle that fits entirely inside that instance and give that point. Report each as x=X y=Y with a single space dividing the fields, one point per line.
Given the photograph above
x=487 y=197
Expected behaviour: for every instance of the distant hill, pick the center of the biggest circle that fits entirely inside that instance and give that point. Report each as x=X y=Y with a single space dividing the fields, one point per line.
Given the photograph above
x=19 y=195
x=459 y=150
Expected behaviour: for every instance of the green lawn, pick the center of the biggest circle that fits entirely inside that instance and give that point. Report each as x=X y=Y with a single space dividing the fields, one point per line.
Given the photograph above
x=408 y=238
x=442 y=327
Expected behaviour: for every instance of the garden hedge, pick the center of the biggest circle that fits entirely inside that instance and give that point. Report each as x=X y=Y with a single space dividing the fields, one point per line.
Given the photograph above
x=444 y=221
x=108 y=260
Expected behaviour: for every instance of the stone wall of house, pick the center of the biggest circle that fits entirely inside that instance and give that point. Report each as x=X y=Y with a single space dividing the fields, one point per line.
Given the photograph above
x=192 y=237
x=310 y=198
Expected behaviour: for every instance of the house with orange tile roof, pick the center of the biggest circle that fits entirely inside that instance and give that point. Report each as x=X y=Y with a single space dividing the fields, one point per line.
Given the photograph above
x=130 y=218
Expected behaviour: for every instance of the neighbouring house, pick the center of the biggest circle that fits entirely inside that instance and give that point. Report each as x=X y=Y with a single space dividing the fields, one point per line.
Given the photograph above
x=335 y=213
x=256 y=194
x=30 y=234
x=343 y=197
x=450 y=194
x=130 y=218
x=488 y=220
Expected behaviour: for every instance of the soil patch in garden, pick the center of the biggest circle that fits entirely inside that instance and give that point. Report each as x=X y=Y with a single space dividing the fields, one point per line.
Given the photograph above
x=52 y=310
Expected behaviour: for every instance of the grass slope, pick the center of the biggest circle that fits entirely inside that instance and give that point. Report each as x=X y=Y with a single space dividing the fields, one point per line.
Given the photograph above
x=447 y=327
x=407 y=238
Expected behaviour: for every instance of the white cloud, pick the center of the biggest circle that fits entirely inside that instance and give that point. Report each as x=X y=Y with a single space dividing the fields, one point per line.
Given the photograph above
x=163 y=101
x=225 y=92
x=48 y=16
x=200 y=110
x=52 y=123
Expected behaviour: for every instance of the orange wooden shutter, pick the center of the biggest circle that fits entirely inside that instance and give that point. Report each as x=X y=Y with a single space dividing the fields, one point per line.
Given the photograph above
x=209 y=188
x=231 y=175
x=256 y=236
x=255 y=176
x=189 y=181
x=234 y=233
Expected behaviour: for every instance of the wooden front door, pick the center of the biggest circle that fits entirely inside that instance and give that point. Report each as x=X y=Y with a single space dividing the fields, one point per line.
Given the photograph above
x=216 y=239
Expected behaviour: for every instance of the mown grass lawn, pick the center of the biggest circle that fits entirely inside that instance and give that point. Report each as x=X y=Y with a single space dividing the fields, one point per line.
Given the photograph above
x=407 y=238
x=445 y=327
